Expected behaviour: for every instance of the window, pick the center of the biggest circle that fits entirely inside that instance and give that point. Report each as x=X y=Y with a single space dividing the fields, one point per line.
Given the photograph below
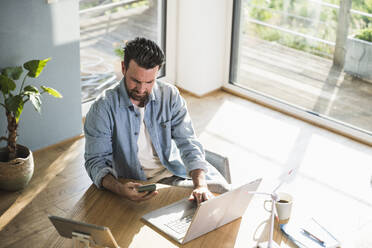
x=284 y=50
x=104 y=27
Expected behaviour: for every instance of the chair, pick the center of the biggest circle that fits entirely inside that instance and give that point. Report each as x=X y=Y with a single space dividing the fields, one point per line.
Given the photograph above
x=220 y=162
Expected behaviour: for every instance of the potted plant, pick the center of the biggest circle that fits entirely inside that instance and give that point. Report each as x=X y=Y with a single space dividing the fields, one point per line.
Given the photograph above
x=358 y=60
x=16 y=161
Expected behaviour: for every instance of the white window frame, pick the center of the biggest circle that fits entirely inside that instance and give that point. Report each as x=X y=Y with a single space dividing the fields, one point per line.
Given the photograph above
x=279 y=105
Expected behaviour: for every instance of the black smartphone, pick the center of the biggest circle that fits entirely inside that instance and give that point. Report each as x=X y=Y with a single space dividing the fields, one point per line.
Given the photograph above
x=147 y=187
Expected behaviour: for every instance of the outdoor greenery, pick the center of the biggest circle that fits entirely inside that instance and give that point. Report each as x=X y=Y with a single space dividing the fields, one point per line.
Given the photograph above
x=119 y=51
x=365 y=34
x=282 y=21
x=137 y=4
x=86 y=4
x=358 y=21
x=13 y=101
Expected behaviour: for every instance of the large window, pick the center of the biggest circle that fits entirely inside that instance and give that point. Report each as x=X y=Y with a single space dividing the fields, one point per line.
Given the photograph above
x=284 y=50
x=104 y=27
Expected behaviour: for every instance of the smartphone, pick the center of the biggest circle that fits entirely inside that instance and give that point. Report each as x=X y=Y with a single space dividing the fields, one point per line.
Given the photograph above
x=147 y=187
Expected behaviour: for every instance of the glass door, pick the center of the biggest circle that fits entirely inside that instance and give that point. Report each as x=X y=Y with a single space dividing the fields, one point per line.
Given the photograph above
x=285 y=51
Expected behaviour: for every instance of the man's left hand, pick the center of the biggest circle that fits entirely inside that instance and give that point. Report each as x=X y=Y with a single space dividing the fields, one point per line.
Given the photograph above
x=200 y=194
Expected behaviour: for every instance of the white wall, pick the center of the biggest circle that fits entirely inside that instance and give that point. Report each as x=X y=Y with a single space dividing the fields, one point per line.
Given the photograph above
x=203 y=32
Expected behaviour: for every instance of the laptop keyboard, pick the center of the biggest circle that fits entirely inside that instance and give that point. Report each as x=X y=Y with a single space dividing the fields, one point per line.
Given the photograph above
x=180 y=225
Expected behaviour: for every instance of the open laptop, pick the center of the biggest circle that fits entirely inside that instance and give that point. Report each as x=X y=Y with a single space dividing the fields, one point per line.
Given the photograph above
x=184 y=221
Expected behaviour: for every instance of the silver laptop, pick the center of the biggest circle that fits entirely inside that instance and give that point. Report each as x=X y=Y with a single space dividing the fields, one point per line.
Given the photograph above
x=184 y=220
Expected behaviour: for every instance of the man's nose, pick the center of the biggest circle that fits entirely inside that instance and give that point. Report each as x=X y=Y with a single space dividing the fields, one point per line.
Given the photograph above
x=141 y=88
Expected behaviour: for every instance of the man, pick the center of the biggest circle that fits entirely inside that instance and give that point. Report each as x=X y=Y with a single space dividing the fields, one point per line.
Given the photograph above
x=141 y=130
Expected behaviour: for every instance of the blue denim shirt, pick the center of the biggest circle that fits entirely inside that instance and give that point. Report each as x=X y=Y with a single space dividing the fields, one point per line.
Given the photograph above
x=111 y=131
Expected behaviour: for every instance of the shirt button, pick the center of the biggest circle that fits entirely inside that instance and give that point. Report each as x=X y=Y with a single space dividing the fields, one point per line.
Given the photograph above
x=135 y=133
x=136 y=115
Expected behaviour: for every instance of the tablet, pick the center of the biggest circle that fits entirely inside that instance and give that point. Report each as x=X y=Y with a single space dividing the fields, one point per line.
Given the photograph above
x=97 y=235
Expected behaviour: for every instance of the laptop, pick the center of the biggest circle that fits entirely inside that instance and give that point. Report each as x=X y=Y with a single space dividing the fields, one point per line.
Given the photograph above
x=184 y=221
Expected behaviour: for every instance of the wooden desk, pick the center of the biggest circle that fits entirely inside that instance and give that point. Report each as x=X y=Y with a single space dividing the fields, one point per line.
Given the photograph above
x=123 y=218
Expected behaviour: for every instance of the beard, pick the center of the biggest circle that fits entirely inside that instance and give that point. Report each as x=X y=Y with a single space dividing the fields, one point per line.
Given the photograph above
x=141 y=98
x=133 y=94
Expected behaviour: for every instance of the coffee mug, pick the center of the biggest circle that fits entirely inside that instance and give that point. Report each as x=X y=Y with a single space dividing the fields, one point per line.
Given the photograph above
x=283 y=205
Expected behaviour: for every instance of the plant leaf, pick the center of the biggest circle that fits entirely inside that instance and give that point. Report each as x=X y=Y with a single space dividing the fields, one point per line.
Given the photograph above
x=35 y=67
x=6 y=84
x=29 y=89
x=36 y=101
x=19 y=111
x=51 y=91
x=15 y=104
x=12 y=72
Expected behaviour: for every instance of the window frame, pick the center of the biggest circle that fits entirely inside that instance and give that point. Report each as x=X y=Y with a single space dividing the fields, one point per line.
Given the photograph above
x=314 y=118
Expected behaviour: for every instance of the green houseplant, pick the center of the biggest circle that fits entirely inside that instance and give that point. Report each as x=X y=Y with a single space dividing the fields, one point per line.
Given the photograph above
x=16 y=161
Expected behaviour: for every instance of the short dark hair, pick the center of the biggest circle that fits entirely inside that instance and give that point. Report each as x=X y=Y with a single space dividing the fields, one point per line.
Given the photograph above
x=146 y=53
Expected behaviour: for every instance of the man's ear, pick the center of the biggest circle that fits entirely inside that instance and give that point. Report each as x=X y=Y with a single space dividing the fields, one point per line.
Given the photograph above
x=123 y=69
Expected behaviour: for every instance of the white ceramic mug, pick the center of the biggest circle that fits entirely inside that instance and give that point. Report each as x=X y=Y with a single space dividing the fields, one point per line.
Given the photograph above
x=283 y=205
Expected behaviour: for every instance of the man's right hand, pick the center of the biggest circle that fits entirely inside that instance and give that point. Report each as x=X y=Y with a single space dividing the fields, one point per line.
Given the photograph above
x=127 y=190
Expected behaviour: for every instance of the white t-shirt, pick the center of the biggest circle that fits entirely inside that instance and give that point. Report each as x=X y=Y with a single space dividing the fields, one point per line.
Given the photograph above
x=147 y=156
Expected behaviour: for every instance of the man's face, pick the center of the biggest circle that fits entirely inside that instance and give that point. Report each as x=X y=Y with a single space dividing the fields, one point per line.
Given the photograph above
x=139 y=82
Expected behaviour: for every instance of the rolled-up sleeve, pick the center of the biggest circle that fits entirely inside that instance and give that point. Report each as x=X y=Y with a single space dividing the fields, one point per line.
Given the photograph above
x=98 y=145
x=191 y=150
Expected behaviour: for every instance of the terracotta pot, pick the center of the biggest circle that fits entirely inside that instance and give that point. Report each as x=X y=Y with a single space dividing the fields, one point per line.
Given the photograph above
x=16 y=174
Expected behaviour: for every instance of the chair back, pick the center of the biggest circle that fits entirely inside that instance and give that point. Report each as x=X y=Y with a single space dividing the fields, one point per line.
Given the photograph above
x=220 y=162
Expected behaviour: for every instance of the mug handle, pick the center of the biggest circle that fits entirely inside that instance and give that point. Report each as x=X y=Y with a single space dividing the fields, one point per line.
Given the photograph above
x=264 y=205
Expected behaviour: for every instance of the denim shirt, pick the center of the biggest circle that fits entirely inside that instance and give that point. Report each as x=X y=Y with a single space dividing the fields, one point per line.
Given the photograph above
x=111 y=131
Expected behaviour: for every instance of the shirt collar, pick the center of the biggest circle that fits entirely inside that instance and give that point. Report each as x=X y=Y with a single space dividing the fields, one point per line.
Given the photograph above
x=124 y=98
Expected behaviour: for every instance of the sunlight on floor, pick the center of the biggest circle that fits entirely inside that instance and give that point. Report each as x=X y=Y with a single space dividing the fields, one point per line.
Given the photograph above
x=250 y=139
x=254 y=131
x=333 y=177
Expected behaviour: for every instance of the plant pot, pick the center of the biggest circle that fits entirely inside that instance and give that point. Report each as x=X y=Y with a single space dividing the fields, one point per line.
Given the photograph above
x=15 y=174
x=358 y=60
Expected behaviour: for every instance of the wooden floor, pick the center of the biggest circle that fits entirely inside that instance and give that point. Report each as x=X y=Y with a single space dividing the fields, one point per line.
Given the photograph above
x=58 y=183
x=334 y=173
